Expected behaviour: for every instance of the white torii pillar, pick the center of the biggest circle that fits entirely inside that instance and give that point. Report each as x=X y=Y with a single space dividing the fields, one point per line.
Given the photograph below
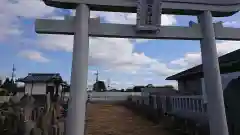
x=77 y=104
x=212 y=78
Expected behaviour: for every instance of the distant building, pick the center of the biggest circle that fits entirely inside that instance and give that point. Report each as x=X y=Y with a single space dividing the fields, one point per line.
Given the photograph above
x=138 y=88
x=42 y=83
x=129 y=90
x=191 y=80
x=159 y=90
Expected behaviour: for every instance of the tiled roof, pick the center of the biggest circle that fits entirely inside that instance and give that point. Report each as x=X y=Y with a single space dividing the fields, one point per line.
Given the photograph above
x=40 y=77
x=226 y=60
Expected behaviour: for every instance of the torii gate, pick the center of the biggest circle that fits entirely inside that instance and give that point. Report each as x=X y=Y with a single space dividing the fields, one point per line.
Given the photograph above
x=148 y=26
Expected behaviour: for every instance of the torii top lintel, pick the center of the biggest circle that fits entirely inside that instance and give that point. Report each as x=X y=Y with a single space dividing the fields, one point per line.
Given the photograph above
x=219 y=8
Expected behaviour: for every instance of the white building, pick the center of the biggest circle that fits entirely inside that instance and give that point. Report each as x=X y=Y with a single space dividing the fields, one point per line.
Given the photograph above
x=158 y=90
x=42 y=83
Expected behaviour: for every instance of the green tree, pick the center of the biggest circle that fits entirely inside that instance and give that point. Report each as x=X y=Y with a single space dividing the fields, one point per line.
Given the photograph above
x=149 y=86
x=3 y=92
x=137 y=88
x=99 y=86
x=168 y=86
x=9 y=85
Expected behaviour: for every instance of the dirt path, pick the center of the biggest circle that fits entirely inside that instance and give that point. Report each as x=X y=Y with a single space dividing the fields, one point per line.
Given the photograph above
x=105 y=119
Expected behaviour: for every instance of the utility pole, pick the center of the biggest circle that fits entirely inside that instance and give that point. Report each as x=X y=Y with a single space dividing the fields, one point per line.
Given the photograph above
x=108 y=82
x=97 y=88
x=97 y=76
x=13 y=73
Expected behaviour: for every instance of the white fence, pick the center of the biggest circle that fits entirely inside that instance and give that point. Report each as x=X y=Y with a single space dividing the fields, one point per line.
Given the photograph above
x=110 y=96
x=107 y=96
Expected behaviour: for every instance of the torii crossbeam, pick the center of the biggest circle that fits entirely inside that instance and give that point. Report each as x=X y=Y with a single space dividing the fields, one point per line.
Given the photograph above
x=148 y=26
x=97 y=29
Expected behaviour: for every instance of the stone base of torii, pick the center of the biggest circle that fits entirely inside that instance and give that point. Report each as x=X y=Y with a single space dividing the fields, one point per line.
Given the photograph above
x=82 y=27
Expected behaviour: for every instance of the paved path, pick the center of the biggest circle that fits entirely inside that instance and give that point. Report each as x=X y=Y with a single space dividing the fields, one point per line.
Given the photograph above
x=103 y=119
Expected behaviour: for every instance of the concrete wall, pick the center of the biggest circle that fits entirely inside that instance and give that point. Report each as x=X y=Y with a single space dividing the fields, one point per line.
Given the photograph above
x=37 y=88
x=109 y=96
x=113 y=93
x=226 y=78
x=181 y=84
x=192 y=86
x=158 y=91
x=109 y=93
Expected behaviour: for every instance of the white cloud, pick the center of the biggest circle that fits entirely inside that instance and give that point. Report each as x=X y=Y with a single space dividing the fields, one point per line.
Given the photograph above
x=33 y=55
x=194 y=58
x=8 y=27
x=12 y=10
x=110 y=53
x=127 y=18
x=190 y=59
x=231 y=21
x=25 y=8
x=56 y=42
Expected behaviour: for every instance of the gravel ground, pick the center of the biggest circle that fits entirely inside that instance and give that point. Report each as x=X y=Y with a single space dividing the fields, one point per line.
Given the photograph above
x=106 y=119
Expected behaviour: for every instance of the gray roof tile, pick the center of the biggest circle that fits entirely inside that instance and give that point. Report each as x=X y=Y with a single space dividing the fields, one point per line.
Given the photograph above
x=40 y=77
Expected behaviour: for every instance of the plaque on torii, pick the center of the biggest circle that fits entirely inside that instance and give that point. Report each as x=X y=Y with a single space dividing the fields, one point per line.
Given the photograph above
x=148 y=26
x=148 y=15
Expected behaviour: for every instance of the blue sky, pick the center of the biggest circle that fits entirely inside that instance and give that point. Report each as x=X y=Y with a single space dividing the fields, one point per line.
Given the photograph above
x=124 y=62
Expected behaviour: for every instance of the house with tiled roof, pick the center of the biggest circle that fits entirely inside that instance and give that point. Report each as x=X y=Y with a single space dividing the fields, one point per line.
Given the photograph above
x=191 y=81
x=39 y=110
x=42 y=83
